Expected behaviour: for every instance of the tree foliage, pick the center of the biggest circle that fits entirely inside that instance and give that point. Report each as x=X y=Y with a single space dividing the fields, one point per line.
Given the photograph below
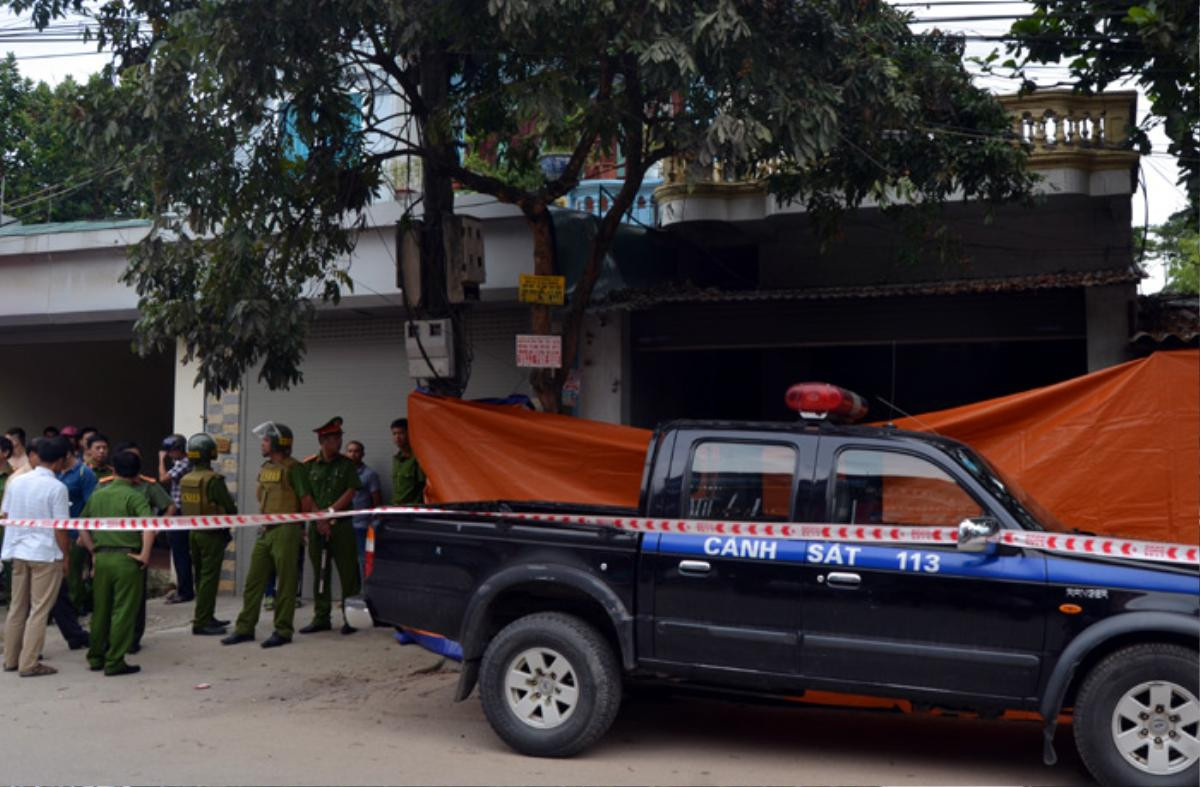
x=1176 y=246
x=45 y=176
x=1150 y=42
x=837 y=99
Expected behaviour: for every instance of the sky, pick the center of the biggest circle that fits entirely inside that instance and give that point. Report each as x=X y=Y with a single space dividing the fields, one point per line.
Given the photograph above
x=54 y=55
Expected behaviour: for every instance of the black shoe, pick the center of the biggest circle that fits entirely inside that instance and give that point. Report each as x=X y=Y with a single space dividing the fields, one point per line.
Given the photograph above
x=128 y=669
x=348 y=629
x=235 y=639
x=79 y=644
x=135 y=647
x=211 y=630
x=95 y=669
x=314 y=627
x=220 y=622
x=275 y=640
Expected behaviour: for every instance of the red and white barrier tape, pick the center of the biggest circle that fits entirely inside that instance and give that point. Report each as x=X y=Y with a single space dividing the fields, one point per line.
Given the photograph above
x=1101 y=546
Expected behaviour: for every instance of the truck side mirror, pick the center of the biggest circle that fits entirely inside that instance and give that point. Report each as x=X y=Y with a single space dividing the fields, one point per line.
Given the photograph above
x=974 y=532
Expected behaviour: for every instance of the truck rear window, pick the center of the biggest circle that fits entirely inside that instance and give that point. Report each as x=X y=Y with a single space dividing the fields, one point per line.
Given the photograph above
x=745 y=481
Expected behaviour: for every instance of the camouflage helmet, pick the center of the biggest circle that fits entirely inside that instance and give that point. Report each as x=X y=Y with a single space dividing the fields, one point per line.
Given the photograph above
x=201 y=448
x=279 y=434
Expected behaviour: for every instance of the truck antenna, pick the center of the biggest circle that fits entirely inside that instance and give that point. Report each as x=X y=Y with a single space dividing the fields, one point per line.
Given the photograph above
x=910 y=416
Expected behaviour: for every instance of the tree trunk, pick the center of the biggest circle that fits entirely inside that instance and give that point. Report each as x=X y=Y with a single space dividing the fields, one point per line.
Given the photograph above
x=543 y=381
x=438 y=203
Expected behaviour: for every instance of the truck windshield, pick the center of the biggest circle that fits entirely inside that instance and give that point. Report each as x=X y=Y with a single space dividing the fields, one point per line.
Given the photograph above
x=1029 y=512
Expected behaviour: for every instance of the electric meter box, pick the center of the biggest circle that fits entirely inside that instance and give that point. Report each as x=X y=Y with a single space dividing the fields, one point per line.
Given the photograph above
x=429 y=345
x=462 y=239
x=464 y=258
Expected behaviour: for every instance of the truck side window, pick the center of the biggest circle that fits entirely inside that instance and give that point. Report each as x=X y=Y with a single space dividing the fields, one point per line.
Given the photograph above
x=741 y=481
x=873 y=487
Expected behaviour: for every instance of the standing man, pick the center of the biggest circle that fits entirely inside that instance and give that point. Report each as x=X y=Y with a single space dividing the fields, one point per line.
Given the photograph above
x=369 y=496
x=97 y=455
x=19 y=460
x=173 y=465
x=80 y=482
x=282 y=489
x=203 y=492
x=120 y=557
x=332 y=481
x=408 y=480
x=37 y=558
x=6 y=470
x=160 y=505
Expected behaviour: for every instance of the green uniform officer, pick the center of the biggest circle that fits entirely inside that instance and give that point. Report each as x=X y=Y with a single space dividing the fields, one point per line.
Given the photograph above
x=202 y=492
x=161 y=504
x=332 y=479
x=408 y=480
x=282 y=489
x=119 y=561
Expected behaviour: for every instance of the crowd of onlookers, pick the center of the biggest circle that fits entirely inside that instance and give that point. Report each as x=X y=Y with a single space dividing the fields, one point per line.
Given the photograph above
x=59 y=575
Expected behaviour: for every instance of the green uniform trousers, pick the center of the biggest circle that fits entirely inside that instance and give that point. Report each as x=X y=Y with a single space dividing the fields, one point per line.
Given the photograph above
x=208 y=552
x=275 y=552
x=77 y=586
x=117 y=594
x=343 y=551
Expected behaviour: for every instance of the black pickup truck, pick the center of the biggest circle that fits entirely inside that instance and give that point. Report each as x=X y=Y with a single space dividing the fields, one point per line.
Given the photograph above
x=556 y=621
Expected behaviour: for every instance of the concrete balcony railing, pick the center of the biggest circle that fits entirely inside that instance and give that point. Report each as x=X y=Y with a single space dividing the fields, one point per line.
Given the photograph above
x=1079 y=143
x=1065 y=128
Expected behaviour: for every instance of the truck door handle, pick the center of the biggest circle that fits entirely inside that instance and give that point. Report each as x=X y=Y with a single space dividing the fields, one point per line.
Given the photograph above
x=843 y=579
x=694 y=567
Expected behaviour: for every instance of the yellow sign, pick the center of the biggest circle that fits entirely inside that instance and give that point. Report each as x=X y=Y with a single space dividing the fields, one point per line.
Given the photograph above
x=547 y=290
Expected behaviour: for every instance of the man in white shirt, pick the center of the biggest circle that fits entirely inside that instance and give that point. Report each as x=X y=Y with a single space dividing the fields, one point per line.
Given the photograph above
x=36 y=555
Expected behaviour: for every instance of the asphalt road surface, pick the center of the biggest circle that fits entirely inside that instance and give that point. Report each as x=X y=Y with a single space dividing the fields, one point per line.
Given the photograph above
x=360 y=709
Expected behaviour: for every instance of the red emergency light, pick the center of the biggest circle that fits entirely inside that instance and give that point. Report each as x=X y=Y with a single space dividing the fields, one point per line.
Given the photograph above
x=824 y=401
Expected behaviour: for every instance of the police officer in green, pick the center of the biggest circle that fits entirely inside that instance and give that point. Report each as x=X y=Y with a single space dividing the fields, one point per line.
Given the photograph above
x=332 y=479
x=203 y=492
x=161 y=504
x=282 y=489
x=119 y=561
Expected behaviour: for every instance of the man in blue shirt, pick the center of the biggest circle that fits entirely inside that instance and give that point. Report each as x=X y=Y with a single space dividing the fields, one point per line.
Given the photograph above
x=80 y=482
x=369 y=496
x=79 y=478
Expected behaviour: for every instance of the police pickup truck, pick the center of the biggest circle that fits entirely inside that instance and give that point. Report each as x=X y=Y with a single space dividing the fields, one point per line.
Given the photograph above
x=555 y=621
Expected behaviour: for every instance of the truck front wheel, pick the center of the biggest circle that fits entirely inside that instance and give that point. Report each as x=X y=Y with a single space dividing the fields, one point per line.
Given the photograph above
x=1137 y=717
x=550 y=685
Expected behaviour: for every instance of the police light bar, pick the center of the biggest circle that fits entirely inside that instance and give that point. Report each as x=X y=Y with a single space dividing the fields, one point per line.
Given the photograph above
x=822 y=401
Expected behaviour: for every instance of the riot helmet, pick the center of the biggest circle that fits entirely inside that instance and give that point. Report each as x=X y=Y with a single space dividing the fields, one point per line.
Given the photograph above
x=201 y=448
x=279 y=434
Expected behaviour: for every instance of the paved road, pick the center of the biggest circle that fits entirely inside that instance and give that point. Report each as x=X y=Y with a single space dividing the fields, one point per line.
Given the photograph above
x=359 y=710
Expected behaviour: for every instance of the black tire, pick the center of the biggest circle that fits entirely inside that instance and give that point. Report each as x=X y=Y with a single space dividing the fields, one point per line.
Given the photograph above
x=1095 y=705
x=596 y=678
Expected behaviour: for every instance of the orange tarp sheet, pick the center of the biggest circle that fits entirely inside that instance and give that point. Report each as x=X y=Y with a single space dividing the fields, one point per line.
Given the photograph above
x=1114 y=452
x=473 y=452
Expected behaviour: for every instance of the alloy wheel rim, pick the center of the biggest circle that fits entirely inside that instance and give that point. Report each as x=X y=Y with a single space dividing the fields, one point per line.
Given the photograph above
x=1156 y=727
x=541 y=688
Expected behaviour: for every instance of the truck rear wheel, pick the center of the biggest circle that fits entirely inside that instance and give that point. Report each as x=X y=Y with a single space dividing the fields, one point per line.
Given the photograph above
x=550 y=685
x=1137 y=716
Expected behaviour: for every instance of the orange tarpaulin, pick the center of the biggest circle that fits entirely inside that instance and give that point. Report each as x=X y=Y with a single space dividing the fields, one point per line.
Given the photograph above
x=473 y=451
x=1114 y=452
